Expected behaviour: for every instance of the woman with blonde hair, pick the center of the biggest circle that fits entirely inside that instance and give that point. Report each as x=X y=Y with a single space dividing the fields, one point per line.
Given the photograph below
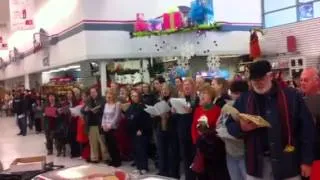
x=110 y=121
x=167 y=139
x=184 y=122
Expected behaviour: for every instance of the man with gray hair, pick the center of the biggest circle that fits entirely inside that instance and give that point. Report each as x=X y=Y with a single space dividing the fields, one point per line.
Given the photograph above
x=285 y=150
x=310 y=86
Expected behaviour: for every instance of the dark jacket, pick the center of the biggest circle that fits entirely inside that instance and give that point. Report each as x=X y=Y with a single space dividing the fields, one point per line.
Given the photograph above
x=19 y=105
x=284 y=164
x=138 y=119
x=149 y=99
x=94 y=118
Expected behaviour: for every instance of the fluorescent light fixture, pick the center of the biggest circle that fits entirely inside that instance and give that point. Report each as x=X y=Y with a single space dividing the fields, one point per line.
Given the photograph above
x=76 y=67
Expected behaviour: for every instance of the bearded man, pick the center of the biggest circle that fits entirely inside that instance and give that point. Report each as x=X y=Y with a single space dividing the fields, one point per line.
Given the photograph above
x=286 y=149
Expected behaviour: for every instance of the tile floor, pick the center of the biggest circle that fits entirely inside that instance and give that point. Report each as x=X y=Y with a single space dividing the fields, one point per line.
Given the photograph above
x=13 y=146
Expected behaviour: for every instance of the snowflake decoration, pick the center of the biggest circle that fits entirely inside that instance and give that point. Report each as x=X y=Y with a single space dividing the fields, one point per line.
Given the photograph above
x=187 y=50
x=213 y=62
x=184 y=63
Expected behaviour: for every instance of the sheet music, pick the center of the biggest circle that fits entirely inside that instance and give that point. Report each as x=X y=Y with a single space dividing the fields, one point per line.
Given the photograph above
x=152 y=111
x=158 y=109
x=76 y=111
x=179 y=105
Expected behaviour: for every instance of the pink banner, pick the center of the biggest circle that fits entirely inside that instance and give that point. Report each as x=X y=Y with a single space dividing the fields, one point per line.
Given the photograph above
x=21 y=14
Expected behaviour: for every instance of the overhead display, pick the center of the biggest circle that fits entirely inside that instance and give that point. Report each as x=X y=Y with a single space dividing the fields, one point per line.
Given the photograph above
x=234 y=11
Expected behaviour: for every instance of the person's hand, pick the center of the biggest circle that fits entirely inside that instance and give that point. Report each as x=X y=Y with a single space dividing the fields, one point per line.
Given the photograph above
x=173 y=110
x=139 y=133
x=247 y=126
x=305 y=170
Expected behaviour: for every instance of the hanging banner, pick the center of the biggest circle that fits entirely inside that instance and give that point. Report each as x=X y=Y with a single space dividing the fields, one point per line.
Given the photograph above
x=21 y=14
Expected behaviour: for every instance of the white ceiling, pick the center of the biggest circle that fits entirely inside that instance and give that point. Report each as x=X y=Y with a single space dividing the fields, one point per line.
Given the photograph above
x=4 y=11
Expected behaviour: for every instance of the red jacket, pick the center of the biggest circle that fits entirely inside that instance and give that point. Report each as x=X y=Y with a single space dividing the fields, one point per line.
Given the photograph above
x=212 y=114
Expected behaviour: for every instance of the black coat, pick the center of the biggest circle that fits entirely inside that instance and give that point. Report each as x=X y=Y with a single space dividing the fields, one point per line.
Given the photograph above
x=19 y=105
x=284 y=165
x=138 y=119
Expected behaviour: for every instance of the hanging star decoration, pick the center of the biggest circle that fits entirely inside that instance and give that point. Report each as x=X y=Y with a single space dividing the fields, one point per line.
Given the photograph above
x=213 y=62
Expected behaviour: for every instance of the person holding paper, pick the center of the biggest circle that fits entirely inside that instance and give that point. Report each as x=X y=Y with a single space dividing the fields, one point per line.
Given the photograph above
x=110 y=121
x=93 y=110
x=184 y=122
x=234 y=147
x=50 y=118
x=286 y=149
x=73 y=123
x=167 y=139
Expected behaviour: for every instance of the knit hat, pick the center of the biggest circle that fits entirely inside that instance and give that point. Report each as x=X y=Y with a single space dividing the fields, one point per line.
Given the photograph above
x=259 y=69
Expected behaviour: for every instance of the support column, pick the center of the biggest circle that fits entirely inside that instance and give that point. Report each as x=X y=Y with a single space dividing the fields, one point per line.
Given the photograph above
x=26 y=81
x=103 y=76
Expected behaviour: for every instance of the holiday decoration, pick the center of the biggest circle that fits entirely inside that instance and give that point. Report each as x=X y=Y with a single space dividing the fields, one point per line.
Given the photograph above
x=213 y=62
x=187 y=51
x=203 y=27
x=155 y=25
x=140 y=24
x=255 y=51
x=201 y=12
x=172 y=20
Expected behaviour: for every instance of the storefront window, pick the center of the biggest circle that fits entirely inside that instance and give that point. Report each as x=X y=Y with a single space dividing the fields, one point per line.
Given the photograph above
x=306 y=11
x=281 y=17
x=271 y=5
x=288 y=11
x=316 y=9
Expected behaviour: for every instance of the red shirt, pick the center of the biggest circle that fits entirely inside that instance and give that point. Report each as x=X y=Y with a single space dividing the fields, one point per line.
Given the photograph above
x=212 y=115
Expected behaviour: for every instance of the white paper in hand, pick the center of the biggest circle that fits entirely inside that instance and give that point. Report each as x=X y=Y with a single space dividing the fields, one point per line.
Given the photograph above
x=152 y=111
x=179 y=105
x=76 y=111
x=162 y=107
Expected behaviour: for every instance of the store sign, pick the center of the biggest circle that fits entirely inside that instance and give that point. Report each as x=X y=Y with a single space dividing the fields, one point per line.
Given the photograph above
x=21 y=14
x=61 y=80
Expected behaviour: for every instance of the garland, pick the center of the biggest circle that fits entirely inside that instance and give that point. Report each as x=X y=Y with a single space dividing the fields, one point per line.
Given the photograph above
x=204 y=27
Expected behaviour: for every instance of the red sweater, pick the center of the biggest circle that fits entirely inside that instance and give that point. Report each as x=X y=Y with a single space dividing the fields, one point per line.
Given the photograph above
x=212 y=114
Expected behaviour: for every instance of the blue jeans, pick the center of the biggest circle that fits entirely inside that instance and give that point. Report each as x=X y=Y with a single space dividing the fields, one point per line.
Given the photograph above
x=236 y=167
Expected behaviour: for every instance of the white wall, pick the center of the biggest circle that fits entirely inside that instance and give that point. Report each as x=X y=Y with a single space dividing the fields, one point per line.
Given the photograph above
x=308 y=40
x=65 y=52
x=109 y=45
x=53 y=16
x=244 y=11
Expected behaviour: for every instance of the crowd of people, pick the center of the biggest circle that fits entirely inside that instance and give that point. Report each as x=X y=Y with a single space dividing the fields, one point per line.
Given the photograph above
x=116 y=127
